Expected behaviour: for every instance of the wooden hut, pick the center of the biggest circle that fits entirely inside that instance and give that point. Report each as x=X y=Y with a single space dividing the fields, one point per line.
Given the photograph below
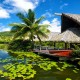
x=70 y=29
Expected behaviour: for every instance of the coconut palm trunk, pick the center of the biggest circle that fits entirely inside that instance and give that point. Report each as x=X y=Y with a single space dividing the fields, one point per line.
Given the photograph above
x=39 y=40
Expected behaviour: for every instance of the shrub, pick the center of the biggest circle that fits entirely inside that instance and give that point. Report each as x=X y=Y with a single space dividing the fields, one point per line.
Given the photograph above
x=76 y=53
x=20 y=45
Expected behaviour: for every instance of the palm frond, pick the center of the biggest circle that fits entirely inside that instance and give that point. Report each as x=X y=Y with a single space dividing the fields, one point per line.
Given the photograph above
x=31 y=15
x=27 y=21
x=16 y=26
x=42 y=34
x=25 y=30
x=21 y=16
x=16 y=35
x=40 y=19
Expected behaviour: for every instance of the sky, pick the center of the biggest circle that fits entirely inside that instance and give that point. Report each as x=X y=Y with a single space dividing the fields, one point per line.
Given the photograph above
x=47 y=8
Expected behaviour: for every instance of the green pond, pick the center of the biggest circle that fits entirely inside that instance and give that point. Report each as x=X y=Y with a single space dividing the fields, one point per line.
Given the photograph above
x=30 y=66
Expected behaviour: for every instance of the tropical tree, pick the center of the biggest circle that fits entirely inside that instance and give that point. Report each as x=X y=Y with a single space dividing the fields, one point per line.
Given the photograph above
x=30 y=27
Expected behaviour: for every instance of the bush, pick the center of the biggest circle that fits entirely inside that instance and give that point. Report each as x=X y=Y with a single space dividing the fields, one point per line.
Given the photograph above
x=20 y=45
x=76 y=53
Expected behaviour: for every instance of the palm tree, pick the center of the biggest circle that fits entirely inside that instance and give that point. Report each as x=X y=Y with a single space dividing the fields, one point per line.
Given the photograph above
x=30 y=27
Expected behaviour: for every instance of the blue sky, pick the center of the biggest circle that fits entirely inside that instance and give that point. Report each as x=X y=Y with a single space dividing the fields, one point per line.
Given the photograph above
x=47 y=8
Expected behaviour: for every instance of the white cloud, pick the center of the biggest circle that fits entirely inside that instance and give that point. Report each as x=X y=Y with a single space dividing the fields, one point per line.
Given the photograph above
x=6 y=29
x=46 y=22
x=62 y=6
x=3 y=28
x=22 y=5
x=54 y=25
x=47 y=14
x=55 y=22
x=4 y=13
x=16 y=6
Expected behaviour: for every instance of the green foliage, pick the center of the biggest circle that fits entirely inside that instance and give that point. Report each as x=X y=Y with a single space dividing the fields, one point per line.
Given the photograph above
x=20 y=45
x=5 y=36
x=51 y=43
x=46 y=65
x=75 y=71
x=66 y=65
x=76 y=53
x=76 y=47
x=68 y=79
x=60 y=45
x=6 y=33
x=4 y=46
x=18 y=70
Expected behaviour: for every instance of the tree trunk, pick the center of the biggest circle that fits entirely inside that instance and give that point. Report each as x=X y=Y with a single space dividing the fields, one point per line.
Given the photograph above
x=39 y=40
x=32 y=40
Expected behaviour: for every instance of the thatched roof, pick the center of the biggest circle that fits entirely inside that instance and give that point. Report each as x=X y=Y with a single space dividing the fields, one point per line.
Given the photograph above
x=75 y=17
x=70 y=20
x=49 y=38
x=71 y=35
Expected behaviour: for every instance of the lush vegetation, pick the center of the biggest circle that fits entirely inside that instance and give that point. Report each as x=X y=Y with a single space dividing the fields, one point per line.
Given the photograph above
x=6 y=37
x=20 y=45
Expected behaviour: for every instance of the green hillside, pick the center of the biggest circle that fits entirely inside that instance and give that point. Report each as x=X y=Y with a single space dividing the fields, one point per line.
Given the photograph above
x=6 y=34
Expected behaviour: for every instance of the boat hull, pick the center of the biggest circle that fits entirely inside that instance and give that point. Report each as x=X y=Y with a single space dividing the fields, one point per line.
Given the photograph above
x=65 y=53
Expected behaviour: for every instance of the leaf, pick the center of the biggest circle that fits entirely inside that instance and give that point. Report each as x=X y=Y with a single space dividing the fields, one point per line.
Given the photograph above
x=68 y=79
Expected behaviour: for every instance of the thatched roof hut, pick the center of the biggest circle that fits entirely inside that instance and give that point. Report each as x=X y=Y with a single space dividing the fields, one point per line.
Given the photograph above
x=71 y=35
x=69 y=21
x=70 y=29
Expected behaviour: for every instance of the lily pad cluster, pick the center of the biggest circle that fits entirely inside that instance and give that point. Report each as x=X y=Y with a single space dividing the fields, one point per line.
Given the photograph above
x=14 y=71
x=22 y=65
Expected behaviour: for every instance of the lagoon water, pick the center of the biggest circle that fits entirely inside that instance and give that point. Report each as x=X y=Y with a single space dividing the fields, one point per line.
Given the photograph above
x=35 y=67
x=3 y=54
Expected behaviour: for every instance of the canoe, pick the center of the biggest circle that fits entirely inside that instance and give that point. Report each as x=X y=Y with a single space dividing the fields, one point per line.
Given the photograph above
x=65 y=53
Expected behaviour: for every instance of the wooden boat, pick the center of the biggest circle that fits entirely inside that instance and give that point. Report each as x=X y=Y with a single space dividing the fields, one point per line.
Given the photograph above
x=65 y=53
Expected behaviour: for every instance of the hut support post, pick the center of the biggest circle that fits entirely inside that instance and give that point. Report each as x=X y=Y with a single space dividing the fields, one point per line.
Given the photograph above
x=65 y=45
x=54 y=44
x=40 y=48
x=70 y=45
